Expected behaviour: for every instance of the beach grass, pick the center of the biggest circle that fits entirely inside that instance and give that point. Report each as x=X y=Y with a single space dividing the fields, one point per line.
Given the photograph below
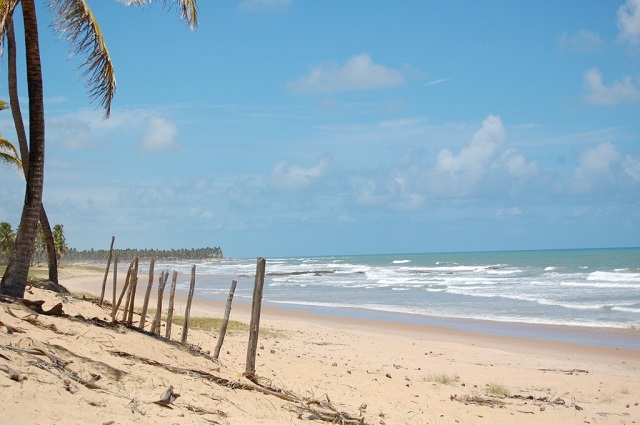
x=214 y=324
x=498 y=390
x=443 y=378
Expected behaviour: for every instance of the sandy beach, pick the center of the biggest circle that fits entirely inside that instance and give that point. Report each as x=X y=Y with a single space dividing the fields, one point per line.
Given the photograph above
x=73 y=370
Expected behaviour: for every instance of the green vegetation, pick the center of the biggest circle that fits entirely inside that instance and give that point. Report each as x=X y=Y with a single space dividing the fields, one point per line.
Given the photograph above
x=7 y=240
x=214 y=324
x=101 y=255
x=498 y=390
x=443 y=378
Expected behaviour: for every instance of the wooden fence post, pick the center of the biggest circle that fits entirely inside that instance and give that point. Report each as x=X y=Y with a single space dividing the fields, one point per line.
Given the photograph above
x=134 y=286
x=147 y=294
x=157 y=319
x=115 y=282
x=254 y=327
x=127 y=281
x=106 y=271
x=225 y=320
x=187 y=310
x=172 y=295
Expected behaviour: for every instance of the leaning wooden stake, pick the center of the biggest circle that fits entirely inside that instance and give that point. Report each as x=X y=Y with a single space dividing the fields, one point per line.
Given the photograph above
x=147 y=294
x=225 y=320
x=115 y=281
x=124 y=291
x=134 y=286
x=172 y=295
x=187 y=310
x=106 y=271
x=157 y=319
x=254 y=327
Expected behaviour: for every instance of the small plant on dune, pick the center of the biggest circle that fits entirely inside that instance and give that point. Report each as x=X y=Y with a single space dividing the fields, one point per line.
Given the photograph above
x=498 y=390
x=443 y=378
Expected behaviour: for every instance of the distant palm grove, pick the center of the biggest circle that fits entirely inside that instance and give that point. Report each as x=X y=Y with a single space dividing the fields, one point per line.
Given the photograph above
x=101 y=255
x=64 y=254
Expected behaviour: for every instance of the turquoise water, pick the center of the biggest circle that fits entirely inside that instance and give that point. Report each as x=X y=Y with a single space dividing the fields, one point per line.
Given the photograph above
x=596 y=288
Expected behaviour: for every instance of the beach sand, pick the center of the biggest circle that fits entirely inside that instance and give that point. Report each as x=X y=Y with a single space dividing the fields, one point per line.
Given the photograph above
x=374 y=372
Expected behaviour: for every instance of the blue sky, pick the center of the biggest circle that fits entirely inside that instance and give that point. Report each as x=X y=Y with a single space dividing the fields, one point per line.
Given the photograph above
x=291 y=127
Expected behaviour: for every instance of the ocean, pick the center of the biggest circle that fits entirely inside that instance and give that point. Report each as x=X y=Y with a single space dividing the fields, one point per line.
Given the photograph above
x=592 y=288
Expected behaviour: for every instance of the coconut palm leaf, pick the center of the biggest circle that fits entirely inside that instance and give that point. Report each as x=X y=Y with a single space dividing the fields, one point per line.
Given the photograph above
x=75 y=22
x=9 y=154
x=6 y=12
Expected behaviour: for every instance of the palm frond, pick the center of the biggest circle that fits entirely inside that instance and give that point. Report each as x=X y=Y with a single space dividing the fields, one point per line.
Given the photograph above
x=6 y=12
x=9 y=154
x=188 y=9
x=75 y=22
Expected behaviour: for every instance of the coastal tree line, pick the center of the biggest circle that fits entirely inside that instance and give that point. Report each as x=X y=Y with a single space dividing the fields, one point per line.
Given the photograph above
x=101 y=255
x=71 y=255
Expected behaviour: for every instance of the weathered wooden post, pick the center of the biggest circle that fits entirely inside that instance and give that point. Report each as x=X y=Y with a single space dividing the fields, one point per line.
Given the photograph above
x=225 y=320
x=147 y=294
x=254 y=327
x=127 y=280
x=172 y=295
x=134 y=286
x=157 y=319
x=187 y=310
x=115 y=281
x=106 y=271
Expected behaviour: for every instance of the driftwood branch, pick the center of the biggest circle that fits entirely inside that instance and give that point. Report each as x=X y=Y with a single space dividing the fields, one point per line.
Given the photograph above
x=34 y=305
x=318 y=409
x=13 y=374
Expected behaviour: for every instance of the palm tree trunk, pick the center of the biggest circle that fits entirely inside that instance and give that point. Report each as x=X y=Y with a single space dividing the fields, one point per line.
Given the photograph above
x=14 y=280
x=24 y=147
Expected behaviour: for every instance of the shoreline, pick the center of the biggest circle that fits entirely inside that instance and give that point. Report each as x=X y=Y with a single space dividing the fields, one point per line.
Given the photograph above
x=381 y=322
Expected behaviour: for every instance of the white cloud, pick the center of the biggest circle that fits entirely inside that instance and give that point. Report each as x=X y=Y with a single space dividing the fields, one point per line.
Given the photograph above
x=87 y=129
x=358 y=73
x=594 y=167
x=473 y=160
x=631 y=166
x=287 y=176
x=438 y=81
x=482 y=165
x=160 y=135
x=620 y=91
x=629 y=22
x=516 y=164
x=582 y=41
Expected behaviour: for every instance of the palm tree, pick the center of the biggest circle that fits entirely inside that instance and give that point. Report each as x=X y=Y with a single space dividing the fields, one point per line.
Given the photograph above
x=39 y=245
x=24 y=145
x=7 y=239
x=60 y=241
x=74 y=19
